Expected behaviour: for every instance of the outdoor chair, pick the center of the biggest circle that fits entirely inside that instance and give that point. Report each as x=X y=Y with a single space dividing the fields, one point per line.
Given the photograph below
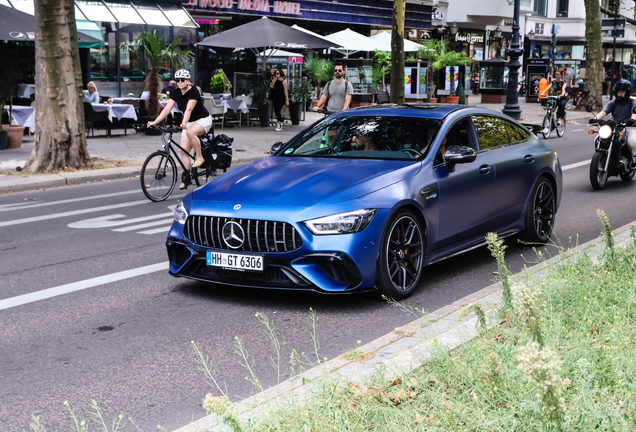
x=215 y=110
x=380 y=96
x=91 y=117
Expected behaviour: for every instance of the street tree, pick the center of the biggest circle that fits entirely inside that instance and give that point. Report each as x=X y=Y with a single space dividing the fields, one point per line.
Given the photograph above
x=593 y=57
x=60 y=139
x=397 y=52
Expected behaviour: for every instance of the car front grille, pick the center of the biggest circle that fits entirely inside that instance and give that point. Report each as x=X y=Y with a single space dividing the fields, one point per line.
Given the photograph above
x=260 y=236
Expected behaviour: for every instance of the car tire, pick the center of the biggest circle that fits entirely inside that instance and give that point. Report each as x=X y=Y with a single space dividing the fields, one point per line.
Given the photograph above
x=541 y=212
x=401 y=258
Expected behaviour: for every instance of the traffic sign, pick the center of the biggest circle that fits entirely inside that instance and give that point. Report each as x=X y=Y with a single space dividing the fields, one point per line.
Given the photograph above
x=609 y=22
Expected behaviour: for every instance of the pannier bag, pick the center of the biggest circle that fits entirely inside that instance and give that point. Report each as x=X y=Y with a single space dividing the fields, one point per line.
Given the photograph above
x=217 y=150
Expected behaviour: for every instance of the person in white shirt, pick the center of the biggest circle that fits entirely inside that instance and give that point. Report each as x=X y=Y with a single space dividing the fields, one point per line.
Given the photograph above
x=91 y=95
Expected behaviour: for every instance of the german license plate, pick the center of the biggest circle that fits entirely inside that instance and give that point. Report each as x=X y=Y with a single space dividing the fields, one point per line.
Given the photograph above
x=235 y=261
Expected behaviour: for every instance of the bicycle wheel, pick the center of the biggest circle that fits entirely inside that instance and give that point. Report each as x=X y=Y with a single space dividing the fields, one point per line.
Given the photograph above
x=547 y=125
x=560 y=129
x=199 y=175
x=158 y=176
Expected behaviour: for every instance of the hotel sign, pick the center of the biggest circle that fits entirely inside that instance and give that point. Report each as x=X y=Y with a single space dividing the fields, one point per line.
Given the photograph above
x=279 y=7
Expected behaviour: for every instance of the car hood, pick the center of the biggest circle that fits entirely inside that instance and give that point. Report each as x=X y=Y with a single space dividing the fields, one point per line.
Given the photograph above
x=302 y=182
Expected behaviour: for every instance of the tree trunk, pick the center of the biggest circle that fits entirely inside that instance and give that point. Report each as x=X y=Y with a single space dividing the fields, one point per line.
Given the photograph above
x=152 y=87
x=60 y=139
x=594 y=58
x=452 y=81
x=397 y=52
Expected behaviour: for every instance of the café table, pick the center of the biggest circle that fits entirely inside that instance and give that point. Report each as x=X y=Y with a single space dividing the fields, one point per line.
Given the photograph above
x=118 y=111
x=26 y=90
x=23 y=116
x=237 y=105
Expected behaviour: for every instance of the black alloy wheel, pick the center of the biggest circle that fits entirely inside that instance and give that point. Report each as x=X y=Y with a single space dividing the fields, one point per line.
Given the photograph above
x=401 y=257
x=598 y=175
x=541 y=212
x=158 y=176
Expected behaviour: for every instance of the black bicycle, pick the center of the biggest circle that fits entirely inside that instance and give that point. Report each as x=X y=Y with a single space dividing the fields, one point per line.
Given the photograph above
x=159 y=171
x=550 y=120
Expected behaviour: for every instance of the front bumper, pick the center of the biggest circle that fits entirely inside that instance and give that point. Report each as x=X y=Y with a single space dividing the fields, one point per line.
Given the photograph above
x=327 y=264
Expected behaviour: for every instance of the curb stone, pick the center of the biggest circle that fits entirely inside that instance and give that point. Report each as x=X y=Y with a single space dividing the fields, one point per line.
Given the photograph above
x=404 y=349
x=21 y=184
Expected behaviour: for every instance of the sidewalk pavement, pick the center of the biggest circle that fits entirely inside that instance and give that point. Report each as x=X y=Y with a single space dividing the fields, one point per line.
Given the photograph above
x=405 y=348
x=126 y=153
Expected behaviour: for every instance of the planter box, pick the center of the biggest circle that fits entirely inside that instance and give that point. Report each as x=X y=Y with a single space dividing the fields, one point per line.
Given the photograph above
x=3 y=140
x=14 y=136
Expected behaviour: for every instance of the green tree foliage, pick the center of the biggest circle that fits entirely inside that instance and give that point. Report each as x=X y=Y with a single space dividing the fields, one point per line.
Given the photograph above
x=452 y=59
x=319 y=70
x=432 y=50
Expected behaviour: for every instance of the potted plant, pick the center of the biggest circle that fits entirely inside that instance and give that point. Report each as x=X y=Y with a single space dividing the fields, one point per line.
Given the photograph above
x=319 y=71
x=452 y=59
x=300 y=90
x=152 y=49
x=432 y=50
x=259 y=86
x=16 y=58
x=218 y=84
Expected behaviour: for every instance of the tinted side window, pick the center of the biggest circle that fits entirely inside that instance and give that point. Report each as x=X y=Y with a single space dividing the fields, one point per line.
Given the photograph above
x=516 y=134
x=491 y=132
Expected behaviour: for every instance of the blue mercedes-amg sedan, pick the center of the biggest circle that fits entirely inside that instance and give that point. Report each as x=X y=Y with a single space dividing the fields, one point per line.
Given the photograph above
x=362 y=200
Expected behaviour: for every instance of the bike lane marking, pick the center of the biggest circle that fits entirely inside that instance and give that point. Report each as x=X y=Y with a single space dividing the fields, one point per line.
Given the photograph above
x=575 y=165
x=33 y=204
x=81 y=285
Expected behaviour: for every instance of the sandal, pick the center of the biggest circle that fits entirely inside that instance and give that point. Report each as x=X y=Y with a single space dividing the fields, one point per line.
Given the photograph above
x=182 y=186
x=197 y=165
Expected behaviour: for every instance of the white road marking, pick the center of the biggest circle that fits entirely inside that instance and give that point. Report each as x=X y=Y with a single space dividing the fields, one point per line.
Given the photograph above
x=105 y=221
x=145 y=225
x=575 y=165
x=32 y=204
x=156 y=231
x=81 y=285
x=72 y=213
x=577 y=130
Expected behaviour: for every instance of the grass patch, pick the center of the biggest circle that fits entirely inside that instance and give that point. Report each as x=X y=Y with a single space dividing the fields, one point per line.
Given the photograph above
x=357 y=355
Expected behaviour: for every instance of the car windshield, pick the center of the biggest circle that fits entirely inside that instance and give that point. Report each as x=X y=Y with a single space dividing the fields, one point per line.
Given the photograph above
x=371 y=137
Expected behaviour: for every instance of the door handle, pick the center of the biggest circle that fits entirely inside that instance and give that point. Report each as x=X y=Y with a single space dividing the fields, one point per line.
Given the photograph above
x=528 y=158
x=484 y=169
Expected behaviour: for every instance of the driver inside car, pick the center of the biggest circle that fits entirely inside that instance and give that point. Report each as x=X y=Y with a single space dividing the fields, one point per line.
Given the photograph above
x=365 y=135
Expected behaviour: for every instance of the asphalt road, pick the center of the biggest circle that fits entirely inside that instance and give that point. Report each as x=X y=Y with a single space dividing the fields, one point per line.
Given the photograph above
x=127 y=343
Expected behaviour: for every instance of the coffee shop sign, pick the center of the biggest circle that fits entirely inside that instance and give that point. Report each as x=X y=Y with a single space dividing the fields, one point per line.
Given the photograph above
x=468 y=38
x=281 y=7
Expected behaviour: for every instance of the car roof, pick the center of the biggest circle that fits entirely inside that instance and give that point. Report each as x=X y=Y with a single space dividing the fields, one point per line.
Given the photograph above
x=425 y=110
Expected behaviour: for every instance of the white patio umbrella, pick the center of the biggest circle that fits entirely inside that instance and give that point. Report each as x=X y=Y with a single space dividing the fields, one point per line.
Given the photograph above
x=353 y=42
x=385 y=38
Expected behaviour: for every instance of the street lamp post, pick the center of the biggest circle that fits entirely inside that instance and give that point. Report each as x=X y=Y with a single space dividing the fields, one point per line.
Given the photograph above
x=511 y=107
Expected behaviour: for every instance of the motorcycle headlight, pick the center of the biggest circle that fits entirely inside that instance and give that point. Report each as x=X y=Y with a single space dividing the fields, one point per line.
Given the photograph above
x=605 y=132
x=180 y=214
x=341 y=223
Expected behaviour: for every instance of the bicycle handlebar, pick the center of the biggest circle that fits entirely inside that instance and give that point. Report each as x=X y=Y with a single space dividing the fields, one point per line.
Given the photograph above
x=169 y=129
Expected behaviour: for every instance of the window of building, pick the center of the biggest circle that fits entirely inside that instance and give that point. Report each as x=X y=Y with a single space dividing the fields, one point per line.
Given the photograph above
x=562 y=8
x=541 y=7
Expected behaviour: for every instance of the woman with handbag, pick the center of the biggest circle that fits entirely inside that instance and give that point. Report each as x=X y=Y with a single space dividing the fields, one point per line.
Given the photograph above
x=278 y=95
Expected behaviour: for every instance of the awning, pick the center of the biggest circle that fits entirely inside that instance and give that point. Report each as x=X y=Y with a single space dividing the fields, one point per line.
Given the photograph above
x=385 y=38
x=161 y=13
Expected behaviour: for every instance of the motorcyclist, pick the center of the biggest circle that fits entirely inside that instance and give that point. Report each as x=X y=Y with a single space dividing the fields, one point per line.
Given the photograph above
x=621 y=108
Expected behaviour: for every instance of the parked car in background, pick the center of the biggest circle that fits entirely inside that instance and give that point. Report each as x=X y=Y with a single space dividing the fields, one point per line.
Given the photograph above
x=364 y=199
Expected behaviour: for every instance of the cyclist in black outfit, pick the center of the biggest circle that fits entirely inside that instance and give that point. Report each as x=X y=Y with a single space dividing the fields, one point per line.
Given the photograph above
x=196 y=119
x=559 y=87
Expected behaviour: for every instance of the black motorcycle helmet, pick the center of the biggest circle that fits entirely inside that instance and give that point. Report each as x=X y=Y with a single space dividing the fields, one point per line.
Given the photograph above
x=622 y=85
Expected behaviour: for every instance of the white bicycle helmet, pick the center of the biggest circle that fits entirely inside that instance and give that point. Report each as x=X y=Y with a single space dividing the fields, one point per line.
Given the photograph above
x=182 y=73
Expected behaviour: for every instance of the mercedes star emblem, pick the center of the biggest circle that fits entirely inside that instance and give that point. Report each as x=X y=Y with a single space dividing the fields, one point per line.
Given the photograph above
x=236 y=207
x=233 y=234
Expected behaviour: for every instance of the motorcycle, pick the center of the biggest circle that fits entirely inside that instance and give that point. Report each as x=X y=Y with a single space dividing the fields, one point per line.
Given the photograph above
x=612 y=156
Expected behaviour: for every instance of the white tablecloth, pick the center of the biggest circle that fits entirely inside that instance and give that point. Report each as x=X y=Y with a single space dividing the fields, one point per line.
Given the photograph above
x=235 y=105
x=23 y=116
x=117 y=110
x=26 y=90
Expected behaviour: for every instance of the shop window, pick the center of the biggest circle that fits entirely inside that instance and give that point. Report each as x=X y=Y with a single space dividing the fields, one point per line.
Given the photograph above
x=541 y=7
x=562 y=8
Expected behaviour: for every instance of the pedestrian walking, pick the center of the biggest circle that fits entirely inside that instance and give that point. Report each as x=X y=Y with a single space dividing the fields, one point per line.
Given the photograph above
x=278 y=95
x=337 y=93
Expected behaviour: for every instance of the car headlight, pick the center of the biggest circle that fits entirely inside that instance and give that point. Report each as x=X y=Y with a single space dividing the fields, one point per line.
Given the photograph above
x=180 y=214
x=341 y=223
x=605 y=132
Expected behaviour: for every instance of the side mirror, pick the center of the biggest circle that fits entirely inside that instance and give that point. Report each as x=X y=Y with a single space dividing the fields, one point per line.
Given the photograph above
x=276 y=146
x=458 y=154
x=588 y=107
